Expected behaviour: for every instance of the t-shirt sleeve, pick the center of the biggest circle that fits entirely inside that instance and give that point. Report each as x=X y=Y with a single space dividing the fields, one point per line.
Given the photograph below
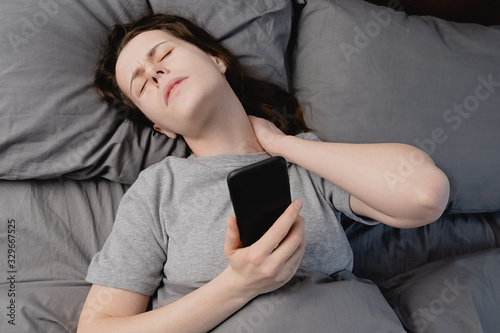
x=341 y=202
x=134 y=254
x=337 y=196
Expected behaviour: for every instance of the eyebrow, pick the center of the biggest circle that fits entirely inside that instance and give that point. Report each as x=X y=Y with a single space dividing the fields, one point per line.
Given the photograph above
x=150 y=55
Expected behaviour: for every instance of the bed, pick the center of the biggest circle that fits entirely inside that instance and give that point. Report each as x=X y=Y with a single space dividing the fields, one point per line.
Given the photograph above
x=362 y=73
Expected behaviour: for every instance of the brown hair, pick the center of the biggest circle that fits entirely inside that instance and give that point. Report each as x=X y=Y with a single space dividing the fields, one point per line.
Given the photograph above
x=259 y=97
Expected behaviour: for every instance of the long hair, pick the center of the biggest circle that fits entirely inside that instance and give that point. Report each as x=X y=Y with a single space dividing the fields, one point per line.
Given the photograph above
x=259 y=97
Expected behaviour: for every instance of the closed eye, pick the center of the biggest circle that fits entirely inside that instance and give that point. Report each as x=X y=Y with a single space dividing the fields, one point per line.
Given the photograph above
x=143 y=87
x=166 y=55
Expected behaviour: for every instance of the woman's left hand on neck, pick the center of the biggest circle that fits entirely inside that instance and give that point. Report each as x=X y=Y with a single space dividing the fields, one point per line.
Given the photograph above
x=267 y=134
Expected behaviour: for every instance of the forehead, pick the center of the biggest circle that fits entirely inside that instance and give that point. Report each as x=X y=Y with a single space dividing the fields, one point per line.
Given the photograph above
x=136 y=50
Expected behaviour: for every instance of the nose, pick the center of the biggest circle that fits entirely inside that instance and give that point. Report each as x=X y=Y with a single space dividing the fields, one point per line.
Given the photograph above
x=154 y=73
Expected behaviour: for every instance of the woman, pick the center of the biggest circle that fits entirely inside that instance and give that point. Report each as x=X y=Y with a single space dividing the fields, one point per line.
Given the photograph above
x=171 y=224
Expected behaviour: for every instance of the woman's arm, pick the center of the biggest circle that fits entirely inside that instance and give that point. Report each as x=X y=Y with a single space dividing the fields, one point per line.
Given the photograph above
x=265 y=266
x=115 y=310
x=396 y=184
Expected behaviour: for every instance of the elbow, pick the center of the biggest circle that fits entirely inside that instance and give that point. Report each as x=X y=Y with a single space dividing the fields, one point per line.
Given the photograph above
x=427 y=202
x=432 y=197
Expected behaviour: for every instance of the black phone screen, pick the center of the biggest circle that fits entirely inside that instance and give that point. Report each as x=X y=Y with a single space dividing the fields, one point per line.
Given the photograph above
x=260 y=193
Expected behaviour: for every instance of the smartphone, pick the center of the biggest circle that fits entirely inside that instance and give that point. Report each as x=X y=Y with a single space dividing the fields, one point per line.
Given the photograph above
x=260 y=193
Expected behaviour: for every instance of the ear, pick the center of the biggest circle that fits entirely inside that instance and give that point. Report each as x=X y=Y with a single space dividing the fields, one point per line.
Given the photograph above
x=220 y=64
x=171 y=135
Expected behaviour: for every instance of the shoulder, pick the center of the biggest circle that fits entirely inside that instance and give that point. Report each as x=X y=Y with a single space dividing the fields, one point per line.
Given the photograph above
x=155 y=177
x=161 y=178
x=169 y=162
x=163 y=170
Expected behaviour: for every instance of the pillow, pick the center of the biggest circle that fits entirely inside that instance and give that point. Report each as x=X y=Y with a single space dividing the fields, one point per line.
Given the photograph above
x=310 y=302
x=257 y=31
x=460 y=294
x=52 y=123
x=365 y=73
x=382 y=252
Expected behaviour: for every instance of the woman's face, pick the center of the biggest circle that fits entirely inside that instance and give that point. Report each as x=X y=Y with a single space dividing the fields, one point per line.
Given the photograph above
x=174 y=83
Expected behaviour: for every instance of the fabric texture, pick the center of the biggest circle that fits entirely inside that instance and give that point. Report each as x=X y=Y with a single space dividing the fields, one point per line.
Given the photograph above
x=52 y=229
x=311 y=302
x=365 y=73
x=382 y=252
x=171 y=224
x=454 y=295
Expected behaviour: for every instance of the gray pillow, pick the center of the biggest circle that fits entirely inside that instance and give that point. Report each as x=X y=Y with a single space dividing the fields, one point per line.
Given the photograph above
x=460 y=294
x=52 y=123
x=407 y=249
x=365 y=73
x=257 y=31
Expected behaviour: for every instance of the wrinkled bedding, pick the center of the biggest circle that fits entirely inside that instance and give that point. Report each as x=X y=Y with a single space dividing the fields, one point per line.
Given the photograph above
x=382 y=252
x=49 y=231
x=311 y=302
x=362 y=73
x=451 y=295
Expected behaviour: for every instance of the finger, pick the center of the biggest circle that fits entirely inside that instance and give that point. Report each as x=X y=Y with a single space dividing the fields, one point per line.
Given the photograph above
x=253 y=120
x=296 y=257
x=280 y=229
x=293 y=241
x=294 y=261
x=233 y=241
x=289 y=267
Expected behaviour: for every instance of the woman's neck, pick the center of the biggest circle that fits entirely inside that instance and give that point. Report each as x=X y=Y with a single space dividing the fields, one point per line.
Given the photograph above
x=225 y=144
x=229 y=132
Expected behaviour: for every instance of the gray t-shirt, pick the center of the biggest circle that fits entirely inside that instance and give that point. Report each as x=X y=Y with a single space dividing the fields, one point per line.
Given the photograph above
x=171 y=224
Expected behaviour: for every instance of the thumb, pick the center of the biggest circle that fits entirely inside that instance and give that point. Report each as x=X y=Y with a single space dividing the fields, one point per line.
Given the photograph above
x=233 y=241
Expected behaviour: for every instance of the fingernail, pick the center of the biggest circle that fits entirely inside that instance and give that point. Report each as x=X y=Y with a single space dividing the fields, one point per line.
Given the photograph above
x=297 y=204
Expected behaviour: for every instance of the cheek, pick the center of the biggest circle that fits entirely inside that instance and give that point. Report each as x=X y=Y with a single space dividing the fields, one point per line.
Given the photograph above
x=150 y=107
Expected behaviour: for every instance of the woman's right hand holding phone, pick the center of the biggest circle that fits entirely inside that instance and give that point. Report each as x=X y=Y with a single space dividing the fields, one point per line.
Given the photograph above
x=270 y=262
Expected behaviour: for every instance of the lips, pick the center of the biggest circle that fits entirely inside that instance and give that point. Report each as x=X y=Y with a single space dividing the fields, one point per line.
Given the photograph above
x=171 y=86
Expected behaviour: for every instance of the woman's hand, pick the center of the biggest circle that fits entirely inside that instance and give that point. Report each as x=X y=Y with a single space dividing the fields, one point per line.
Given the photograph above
x=267 y=134
x=272 y=261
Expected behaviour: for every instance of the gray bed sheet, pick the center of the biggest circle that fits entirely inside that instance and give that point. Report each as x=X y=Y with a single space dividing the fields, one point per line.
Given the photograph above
x=49 y=232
